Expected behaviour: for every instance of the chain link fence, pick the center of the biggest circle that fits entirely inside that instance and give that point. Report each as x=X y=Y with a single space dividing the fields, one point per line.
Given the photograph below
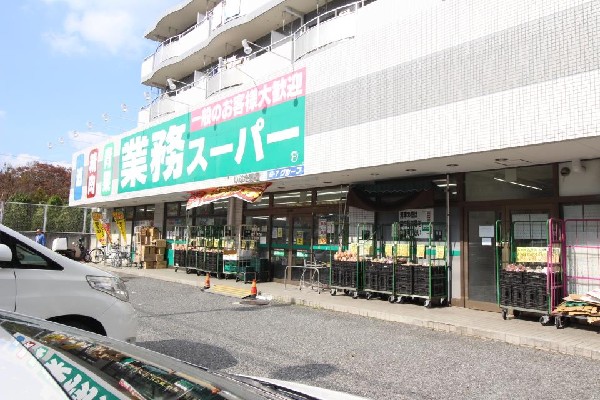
x=55 y=221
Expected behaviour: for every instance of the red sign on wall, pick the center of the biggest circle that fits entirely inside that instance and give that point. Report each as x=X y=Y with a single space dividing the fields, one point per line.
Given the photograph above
x=92 y=173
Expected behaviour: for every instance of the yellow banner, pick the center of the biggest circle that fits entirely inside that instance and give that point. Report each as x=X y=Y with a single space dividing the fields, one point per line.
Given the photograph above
x=403 y=250
x=440 y=251
x=119 y=217
x=99 y=228
x=389 y=249
x=420 y=251
x=536 y=254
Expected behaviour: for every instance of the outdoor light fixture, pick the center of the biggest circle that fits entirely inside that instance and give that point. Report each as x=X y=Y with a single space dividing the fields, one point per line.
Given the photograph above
x=124 y=107
x=147 y=96
x=248 y=49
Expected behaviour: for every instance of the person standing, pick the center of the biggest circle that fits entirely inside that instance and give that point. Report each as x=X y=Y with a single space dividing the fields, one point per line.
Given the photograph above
x=40 y=237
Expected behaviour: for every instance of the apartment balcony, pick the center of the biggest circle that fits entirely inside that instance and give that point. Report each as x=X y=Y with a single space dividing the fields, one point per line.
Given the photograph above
x=184 y=53
x=260 y=65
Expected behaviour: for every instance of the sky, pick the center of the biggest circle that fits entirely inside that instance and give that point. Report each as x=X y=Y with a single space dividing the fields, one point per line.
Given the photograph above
x=69 y=69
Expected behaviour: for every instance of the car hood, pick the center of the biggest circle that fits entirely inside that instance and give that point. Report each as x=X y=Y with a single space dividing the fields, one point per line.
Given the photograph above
x=21 y=376
x=77 y=361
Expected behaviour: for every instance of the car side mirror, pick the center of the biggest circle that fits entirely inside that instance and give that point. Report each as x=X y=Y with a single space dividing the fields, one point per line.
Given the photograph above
x=5 y=253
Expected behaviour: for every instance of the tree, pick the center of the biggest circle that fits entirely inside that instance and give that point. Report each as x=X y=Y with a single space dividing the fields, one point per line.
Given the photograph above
x=39 y=181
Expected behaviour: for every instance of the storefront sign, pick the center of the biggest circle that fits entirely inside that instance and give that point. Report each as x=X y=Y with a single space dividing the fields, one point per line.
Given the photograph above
x=78 y=178
x=286 y=172
x=171 y=154
x=289 y=87
x=92 y=173
x=107 y=169
x=417 y=221
x=260 y=130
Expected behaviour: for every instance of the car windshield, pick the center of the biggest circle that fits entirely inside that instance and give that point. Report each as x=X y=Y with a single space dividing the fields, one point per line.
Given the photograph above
x=89 y=370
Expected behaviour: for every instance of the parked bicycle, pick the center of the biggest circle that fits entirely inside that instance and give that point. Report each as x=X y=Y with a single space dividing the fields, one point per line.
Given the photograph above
x=114 y=254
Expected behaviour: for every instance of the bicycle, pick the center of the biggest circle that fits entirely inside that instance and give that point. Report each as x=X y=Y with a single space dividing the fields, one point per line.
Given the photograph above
x=97 y=255
x=118 y=254
x=111 y=253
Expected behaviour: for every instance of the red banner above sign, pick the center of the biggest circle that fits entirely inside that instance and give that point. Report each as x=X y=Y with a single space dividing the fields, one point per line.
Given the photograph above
x=249 y=193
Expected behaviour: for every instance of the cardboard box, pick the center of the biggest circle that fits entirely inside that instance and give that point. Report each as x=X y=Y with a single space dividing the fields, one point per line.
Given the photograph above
x=159 y=257
x=148 y=257
x=147 y=250
x=153 y=233
x=161 y=264
x=160 y=243
x=161 y=250
x=149 y=265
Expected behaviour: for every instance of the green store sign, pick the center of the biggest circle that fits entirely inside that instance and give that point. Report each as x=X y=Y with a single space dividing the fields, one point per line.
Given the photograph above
x=170 y=153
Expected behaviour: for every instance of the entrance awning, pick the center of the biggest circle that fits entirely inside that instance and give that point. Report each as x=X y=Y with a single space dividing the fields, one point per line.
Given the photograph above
x=248 y=192
x=392 y=196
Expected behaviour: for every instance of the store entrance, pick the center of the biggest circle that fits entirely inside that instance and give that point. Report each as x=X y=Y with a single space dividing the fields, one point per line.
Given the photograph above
x=291 y=241
x=488 y=235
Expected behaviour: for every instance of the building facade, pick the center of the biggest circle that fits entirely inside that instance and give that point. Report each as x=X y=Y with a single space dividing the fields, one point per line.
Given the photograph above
x=475 y=114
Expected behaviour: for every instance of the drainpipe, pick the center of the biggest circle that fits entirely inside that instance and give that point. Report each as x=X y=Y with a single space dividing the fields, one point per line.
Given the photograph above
x=448 y=243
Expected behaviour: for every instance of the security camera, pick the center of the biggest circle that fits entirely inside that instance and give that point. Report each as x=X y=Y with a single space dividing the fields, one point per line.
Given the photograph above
x=247 y=50
x=564 y=171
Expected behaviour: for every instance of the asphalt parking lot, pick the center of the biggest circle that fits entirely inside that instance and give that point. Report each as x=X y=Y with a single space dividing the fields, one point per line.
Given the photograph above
x=360 y=355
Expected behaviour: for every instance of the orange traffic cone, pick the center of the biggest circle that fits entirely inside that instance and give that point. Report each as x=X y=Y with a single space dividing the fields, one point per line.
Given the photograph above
x=253 y=290
x=207 y=281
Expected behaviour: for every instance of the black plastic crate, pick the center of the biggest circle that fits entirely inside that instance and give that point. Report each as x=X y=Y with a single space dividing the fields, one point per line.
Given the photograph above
x=385 y=282
x=538 y=279
x=190 y=259
x=518 y=296
x=371 y=280
x=506 y=295
x=511 y=277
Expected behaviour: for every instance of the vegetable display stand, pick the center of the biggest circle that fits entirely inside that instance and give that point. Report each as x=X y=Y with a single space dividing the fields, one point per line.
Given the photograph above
x=581 y=273
x=345 y=276
x=404 y=237
x=185 y=255
x=378 y=279
x=347 y=268
x=240 y=257
x=230 y=260
x=380 y=272
x=422 y=274
x=532 y=280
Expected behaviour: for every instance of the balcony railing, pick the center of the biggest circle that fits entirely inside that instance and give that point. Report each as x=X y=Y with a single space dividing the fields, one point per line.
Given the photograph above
x=221 y=14
x=326 y=28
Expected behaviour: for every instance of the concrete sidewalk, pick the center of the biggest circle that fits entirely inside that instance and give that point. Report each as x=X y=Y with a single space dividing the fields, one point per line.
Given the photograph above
x=577 y=340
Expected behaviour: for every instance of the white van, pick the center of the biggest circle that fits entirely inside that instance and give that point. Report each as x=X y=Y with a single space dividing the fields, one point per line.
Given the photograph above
x=37 y=281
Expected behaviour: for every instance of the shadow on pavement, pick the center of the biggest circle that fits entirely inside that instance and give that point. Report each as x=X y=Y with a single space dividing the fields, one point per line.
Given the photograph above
x=201 y=354
x=307 y=371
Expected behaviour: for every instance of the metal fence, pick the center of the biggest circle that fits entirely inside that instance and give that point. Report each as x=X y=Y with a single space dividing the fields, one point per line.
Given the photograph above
x=56 y=221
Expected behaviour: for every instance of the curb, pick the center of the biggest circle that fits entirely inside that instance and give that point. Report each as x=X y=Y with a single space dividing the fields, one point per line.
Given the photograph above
x=557 y=346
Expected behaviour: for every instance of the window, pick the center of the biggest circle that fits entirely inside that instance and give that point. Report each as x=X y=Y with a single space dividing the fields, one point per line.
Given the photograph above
x=510 y=183
x=25 y=257
x=333 y=195
x=263 y=202
x=175 y=215
x=292 y=199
